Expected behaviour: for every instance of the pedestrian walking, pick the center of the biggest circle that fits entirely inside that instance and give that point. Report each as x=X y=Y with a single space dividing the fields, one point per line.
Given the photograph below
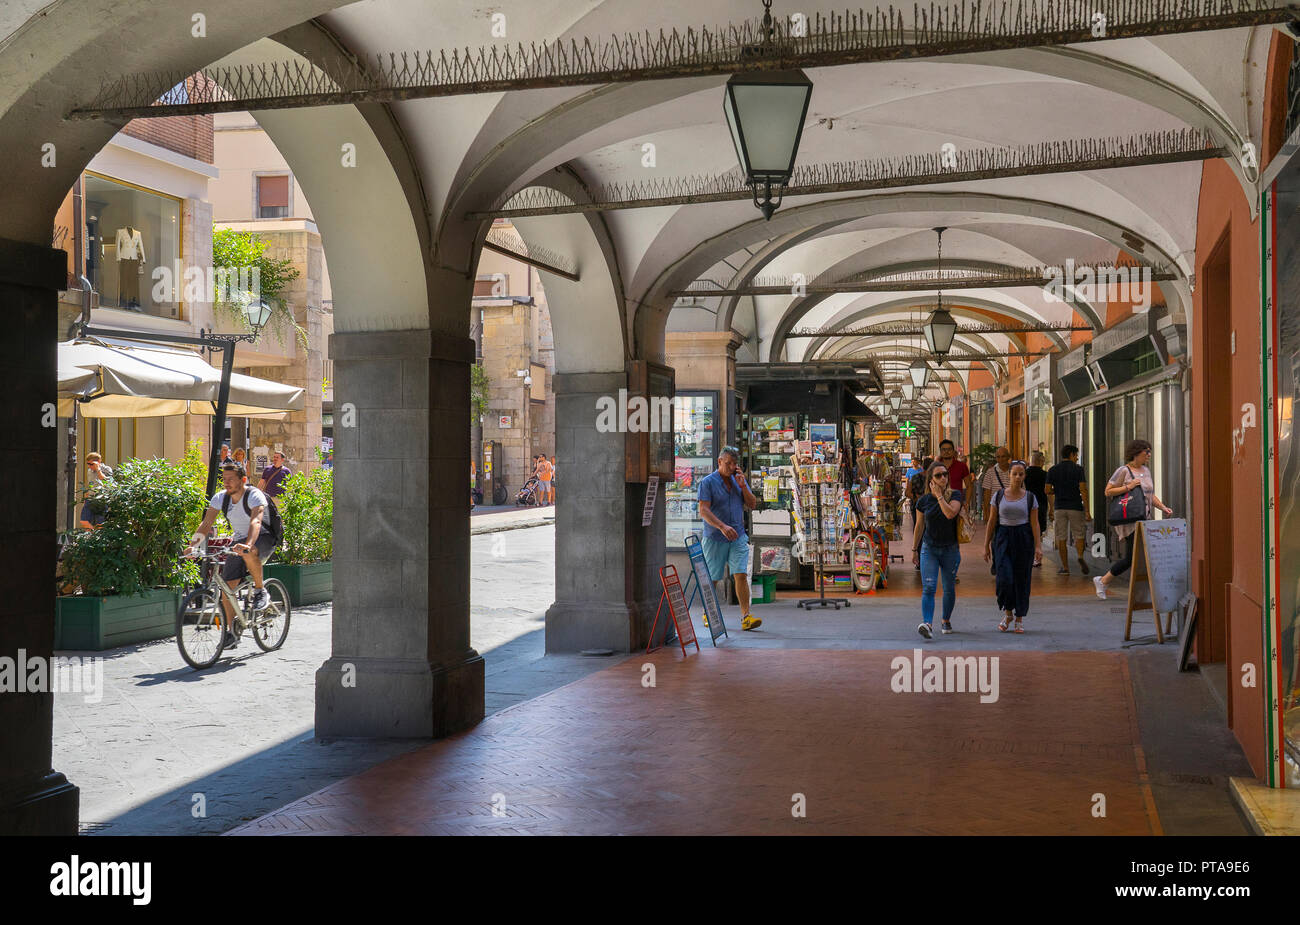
x=1067 y=499
x=1036 y=483
x=1133 y=474
x=935 y=549
x=724 y=496
x=271 y=483
x=1013 y=542
x=544 y=473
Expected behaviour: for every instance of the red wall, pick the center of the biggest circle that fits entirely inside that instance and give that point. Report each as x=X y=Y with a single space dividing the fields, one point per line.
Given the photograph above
x=1232 y=609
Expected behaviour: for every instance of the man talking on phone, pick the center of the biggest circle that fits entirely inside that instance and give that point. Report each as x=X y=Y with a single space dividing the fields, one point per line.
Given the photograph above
x=724 y=497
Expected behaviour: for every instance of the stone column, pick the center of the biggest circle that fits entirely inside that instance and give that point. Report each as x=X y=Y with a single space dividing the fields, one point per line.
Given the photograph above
x=606 y=563
x=401 y=662
x=34 y=798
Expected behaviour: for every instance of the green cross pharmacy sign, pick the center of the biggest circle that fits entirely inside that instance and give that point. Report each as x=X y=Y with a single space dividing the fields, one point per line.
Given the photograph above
x=907 y=428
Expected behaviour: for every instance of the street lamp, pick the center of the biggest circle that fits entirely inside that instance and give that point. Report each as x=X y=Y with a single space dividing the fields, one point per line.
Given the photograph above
x=920 y=371
x=765 y=111
x=257 y=313
x=895 y=401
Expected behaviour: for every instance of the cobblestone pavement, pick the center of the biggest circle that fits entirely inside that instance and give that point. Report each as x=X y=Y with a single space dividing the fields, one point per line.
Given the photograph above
x=238 y=737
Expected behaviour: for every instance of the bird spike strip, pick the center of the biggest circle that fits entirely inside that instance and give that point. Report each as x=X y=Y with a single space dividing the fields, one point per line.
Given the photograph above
x=911 y=329
x=1046 y=157
x=536 y=254
x=824 y=40
x=893 y=281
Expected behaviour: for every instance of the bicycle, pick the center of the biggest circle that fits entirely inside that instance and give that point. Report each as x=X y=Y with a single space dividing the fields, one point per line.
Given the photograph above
x=200 y=622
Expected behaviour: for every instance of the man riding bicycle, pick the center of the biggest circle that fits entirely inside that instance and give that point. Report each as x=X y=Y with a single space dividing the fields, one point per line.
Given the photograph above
x=252 y=542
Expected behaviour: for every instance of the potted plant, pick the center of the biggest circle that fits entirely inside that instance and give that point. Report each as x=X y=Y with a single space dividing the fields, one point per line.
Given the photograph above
x=302 y=560
x=128 y=570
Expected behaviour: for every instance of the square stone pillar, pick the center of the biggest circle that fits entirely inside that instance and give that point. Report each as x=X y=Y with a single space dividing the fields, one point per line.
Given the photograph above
x=401 y=662
x=606 y=563
x=34 y=798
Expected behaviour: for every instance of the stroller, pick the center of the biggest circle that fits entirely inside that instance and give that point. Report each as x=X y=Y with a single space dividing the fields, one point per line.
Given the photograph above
x=528 y=495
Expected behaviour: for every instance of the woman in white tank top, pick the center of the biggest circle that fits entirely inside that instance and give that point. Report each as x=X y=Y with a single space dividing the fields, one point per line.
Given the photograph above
x=1013 y=541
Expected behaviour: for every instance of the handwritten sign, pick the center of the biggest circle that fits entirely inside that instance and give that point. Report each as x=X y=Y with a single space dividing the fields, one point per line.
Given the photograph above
x=1158 y=579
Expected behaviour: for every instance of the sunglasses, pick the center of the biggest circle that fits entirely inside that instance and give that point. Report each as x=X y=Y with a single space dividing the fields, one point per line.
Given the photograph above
x=940 y=475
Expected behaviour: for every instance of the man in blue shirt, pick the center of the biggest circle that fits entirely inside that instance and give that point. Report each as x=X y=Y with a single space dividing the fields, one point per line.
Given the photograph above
x=724 y=497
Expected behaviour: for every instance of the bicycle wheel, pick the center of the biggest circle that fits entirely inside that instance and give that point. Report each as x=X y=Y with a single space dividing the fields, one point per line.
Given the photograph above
x=271 y=624
x=200 y=628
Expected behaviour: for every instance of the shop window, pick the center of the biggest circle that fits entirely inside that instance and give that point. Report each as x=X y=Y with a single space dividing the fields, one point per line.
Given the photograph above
x=273 y=196
x=131 y=233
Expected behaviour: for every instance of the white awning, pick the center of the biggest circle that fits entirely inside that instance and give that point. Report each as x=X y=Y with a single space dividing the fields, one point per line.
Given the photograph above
x=133 y=381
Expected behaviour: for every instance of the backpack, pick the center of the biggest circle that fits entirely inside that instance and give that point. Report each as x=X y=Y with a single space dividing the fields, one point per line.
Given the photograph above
x=272 y=522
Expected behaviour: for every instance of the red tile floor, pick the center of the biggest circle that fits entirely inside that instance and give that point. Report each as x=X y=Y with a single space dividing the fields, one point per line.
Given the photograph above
x=727 y=738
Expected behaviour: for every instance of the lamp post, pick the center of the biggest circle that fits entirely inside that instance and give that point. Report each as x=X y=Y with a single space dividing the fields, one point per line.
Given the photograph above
x=765 y=111
x=256 y=313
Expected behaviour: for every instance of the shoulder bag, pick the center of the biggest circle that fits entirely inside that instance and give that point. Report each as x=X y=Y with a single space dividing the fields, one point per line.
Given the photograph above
x=1129 y=507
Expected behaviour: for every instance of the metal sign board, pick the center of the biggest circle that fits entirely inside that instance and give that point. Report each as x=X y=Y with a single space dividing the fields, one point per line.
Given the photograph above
x=695 y=549
x=651 y=493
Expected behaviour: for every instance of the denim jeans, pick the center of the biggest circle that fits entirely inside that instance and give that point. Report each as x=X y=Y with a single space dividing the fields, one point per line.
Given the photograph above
x=935 y=559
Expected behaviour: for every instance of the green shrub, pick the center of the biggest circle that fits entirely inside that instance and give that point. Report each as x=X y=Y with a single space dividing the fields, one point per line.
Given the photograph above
x=151 y=506
x=307 y=509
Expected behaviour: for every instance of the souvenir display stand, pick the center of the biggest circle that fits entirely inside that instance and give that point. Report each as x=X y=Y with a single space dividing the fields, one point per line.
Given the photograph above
x=825 y=518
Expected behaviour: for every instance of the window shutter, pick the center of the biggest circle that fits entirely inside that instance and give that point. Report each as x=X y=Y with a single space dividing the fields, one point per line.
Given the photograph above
x=273 y=191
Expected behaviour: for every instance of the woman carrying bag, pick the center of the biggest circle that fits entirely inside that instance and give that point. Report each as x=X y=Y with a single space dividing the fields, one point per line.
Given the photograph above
x=1013 y=542
x=935 y=548
x=1131 y=494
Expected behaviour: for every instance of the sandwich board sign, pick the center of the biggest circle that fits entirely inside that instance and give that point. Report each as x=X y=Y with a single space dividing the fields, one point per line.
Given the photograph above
x=1160 y=564
x=704 y=585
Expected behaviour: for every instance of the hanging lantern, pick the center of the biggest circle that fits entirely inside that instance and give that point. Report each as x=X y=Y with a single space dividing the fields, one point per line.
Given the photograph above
x=765 y=111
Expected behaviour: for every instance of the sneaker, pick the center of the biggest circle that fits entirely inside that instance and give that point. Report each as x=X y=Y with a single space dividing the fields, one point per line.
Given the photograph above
x=1020 y=627
x=750 y=622
x=1083 y=566
x=230 y=641
x=1062 y=571
x=261 y=600
x=1101 y=588
x=947 y=627
x=925 y=630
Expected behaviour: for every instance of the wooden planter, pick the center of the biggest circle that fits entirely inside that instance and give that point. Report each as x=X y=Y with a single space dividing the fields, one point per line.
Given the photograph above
x=307 y=584
x=86 y=622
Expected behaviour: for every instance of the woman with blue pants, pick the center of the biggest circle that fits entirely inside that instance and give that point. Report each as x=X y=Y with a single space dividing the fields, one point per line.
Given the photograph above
x=935 y=548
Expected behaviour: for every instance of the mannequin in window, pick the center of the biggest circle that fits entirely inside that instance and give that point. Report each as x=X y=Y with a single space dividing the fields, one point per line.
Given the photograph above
x=130 y=266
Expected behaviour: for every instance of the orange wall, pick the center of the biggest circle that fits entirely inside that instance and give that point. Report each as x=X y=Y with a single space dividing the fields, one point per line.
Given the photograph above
x=1224 y=211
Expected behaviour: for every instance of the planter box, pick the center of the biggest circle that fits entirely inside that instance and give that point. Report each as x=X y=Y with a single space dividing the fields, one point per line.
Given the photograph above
x=307 y=584
x=84 y=622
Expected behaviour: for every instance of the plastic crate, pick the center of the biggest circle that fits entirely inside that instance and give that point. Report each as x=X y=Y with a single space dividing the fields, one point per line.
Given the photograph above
x=768 y=585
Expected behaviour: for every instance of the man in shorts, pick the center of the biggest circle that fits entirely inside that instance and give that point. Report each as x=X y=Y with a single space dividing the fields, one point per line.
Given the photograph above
x=544 y=473
x=724 y=497
x=252 y=543
x=1067 y=499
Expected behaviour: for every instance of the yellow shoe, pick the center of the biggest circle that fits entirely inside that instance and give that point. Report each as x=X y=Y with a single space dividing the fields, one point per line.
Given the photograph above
x=750 y=622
